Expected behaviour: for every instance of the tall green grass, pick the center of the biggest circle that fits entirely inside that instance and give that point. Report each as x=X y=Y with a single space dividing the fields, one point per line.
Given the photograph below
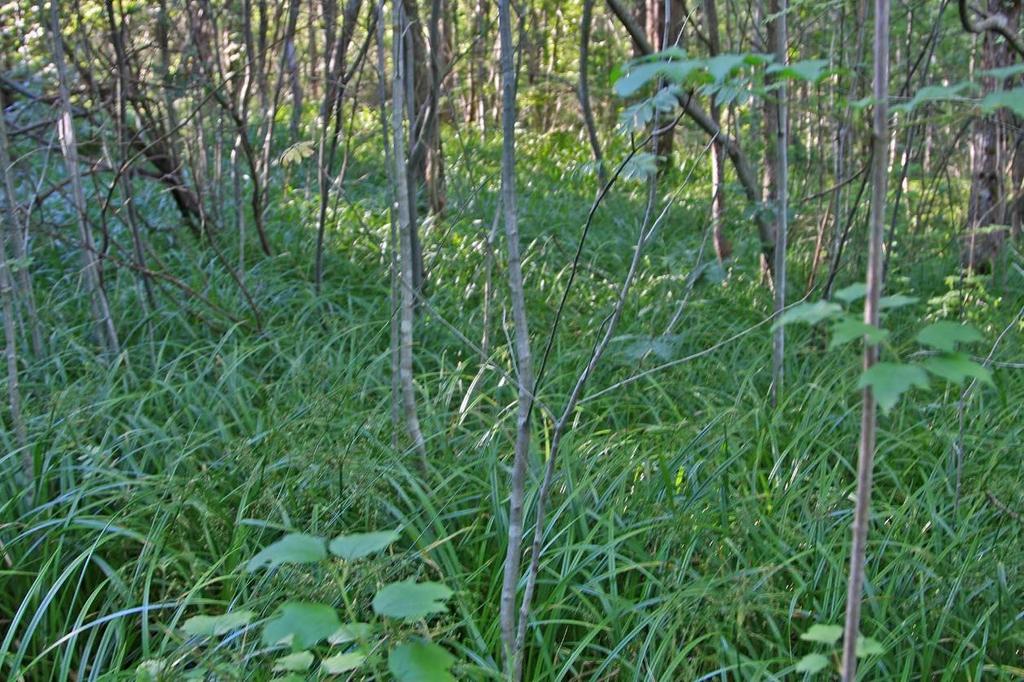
x=694 y=533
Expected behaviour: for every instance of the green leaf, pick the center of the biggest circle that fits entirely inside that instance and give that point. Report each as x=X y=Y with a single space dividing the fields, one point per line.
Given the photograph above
x=640 y=75
x=294 y=548
x=809 y=313
x=956 y=367
x=811 y=663
x=895 y=301
x=944 y=335
x=724 y=65
x=850 y=328
x=1004 y=99
x=852 y=293
x=811 y=70
x=420 y=661
x=359 y=545
x=294 y=662
x=890 y=380
x=350 y=632
x=869 y=647
x=342 y=663
x=217 y=625
x=410 y=600
x=826 y=634
x=303 y=624
x=934 y=93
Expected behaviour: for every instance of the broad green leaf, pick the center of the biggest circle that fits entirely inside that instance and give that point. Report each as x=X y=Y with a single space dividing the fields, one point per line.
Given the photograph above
x=302 y=624
x=151 y=670
x=955 y=367
x=724 y=65
x=934 y=93
x=350 y=632
x=811 y=663
x=410 y=600
x=809 y=313
x=359 y=545
x=944 y=335
x=665 y=100
x=826 y=634
x=869 y=647
x=217 y=625
x=895 y=301
x=294 y=662
x=1004 y=99
x=1004 y=72
x=890 y=380
x=637 y=116
x=642 y=165
x=852 y=293
x=342 y=663
x=850 y=328
x=812 y=70
x=420 y=661
x=640 y=75
x=294 y=548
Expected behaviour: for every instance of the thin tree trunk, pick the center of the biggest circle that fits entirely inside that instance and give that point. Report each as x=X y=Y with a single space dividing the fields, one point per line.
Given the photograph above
x=584 y=91
x=21 y=283
x=780 y=177
x=105 y=331
x=524 y=359
x=723 y=249
x=405 y=230
x=7 y=301
x=866 y=458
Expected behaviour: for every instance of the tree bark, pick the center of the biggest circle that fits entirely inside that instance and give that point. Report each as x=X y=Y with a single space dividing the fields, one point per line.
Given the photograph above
x=866 y=457
x=522 y=346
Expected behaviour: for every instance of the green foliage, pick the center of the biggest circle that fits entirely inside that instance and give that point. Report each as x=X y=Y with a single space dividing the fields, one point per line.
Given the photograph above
x=294 y=548
x=217 y=625
x=825 y=634
x=420 y=661
x=945 y=335
x=890 y=380
x=849 y=328
x=809 y=313
x=301 y=624
x=811 y=663
x=410 y=600
x=361 y=545
x=296 y=662
x=956 y=367
x=343 y=663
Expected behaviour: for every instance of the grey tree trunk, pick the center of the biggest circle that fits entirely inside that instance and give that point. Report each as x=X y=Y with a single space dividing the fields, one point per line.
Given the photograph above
x=866 y=456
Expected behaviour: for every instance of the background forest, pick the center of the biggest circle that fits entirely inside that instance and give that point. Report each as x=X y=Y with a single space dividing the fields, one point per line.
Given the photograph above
x=534 y=340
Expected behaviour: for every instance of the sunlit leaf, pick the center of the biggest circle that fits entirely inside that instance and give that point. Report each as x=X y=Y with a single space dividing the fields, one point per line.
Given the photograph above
x=294 y=548
x=294 y=662
x=350 y=632
x=850 y=328
x=1004 y=99
x=342 y=663
x=809 y=313
x=956 y=367
x=724 y=65
x=944 y=335
x=811 y=70
x=895 y=301
x=854 y=292
x=217 y=625
x=890 y=380
x=411 y=600
x=934 y=93
x=420 y=661
x=359 y=545
x=825 y=634
x=869 y=647
x=811 y=663
x=640 y=75
x=302 y=624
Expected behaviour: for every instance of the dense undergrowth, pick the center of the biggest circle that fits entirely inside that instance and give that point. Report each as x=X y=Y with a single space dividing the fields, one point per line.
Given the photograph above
x=695 y=534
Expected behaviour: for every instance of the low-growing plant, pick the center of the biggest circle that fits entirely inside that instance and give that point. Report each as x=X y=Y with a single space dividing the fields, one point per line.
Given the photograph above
x=390 y=632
